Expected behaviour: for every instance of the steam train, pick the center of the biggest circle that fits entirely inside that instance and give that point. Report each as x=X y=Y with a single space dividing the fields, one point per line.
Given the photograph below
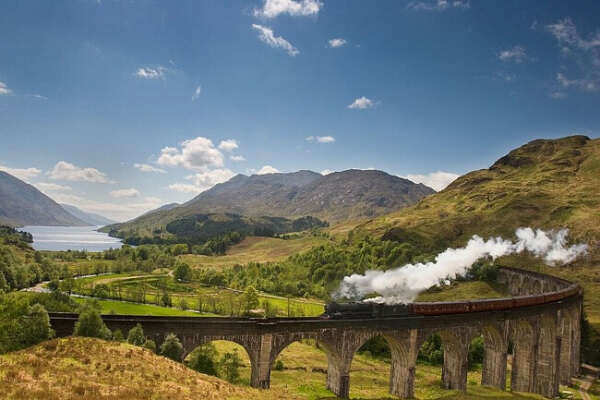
x=364 y=310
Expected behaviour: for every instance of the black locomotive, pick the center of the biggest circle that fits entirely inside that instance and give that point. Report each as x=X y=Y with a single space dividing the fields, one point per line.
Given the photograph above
x=364 y=310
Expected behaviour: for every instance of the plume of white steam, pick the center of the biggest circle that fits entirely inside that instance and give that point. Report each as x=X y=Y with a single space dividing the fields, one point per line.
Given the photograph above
x=403 y=284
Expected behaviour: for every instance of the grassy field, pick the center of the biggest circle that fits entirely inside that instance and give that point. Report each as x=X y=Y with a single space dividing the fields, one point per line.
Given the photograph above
x=255 y=249
x=120 y=307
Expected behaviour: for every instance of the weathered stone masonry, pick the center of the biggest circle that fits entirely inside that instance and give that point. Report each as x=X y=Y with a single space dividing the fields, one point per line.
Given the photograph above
x=545 y=337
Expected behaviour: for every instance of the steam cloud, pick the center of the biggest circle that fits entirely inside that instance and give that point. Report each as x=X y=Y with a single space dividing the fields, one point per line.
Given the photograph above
x=403 y=284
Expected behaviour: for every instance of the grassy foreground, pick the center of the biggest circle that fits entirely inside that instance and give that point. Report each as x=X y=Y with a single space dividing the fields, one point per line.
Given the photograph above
x=121 y=307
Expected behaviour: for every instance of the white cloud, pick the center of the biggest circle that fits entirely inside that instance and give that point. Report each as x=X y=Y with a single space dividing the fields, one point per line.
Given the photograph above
x=197 y=93
x=327 y=171
x=237 y=158
x=337 y=42
x=125 y=193
x=361 y=103
x=228 y=145
x=21 y=173
x=581 y=54
x=266 y=35
x=203 y=181
x=151 y=72
x=435 y=180
x=505 y=76
x=438 y=5
x=321 y=139
x=69 y=172
x=52 y=187
x=273 y=8
x=267 y=169
x=4 y=89
x=115 y=211
x=149 y=168
x=195 y=154
x=516 y=54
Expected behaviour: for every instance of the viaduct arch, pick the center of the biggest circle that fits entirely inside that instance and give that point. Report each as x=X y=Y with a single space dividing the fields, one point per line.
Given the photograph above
x=542 y=320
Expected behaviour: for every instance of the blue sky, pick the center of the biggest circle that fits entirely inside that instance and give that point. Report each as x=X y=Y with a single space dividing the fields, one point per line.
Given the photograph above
x=121 y=106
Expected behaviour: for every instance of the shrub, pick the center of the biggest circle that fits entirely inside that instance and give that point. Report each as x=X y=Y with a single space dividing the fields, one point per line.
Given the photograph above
x=203 y=358
x=183 y=272
x=90 y=324
x=165 y=300
x=183 y=304
x=278 y=365
x=172 y=347
x=118 y=336
x=229 y=366
x=36 y=326
x=150 y=344
x=136 y=335
x=476 y=350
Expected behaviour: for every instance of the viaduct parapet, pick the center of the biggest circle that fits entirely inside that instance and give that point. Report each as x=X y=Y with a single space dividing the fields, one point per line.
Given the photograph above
x=541 y=321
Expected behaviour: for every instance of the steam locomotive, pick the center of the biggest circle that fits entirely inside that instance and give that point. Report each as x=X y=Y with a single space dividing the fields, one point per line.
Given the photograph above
x=363 y=310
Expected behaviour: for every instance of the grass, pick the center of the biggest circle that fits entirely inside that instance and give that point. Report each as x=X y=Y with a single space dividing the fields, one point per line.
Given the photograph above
x=92 y=369
x=120 y=307
x=471 y=290
x=255 y=249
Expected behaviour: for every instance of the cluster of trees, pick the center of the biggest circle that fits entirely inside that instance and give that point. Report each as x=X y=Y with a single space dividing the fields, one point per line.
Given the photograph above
x=205 y=358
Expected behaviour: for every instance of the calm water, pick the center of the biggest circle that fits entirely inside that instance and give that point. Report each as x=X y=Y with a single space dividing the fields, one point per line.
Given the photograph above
x=71 y=238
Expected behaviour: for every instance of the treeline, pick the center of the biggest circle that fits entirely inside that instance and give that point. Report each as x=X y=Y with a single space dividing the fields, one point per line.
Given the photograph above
x=317 y=272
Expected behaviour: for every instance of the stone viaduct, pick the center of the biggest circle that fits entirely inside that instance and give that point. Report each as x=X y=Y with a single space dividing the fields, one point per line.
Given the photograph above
x=541 y=322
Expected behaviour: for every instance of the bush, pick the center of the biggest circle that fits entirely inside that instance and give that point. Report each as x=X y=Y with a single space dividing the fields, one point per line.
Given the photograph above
x=136 y=336
x=278 y=366
x=172 y=347
x=165 y=300
x=476 y=350
x=202 y=359
x=150 y=345
x=183 y=272
x=36 y=326
x=90 y=324
x=431 y=351
x=118 y=336
x=183 y=304
x=229 y=366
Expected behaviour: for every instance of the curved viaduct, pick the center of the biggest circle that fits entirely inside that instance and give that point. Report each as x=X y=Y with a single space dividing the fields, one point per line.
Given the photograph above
x=542 y=322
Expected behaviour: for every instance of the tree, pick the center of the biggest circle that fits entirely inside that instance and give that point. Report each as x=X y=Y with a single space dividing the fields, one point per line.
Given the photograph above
x=136 y=335
x=90 y=324
x=165 y=300
x=118 y=336
x=229 y=366
x=250 y=299
x=53 y=285
x=203 y=359
x=183 y=304
x=172 y=347
x=37 y=326
x=150 y=345
x=183 y=272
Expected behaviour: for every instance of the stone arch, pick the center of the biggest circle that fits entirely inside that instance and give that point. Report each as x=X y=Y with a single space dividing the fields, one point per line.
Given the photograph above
x=547 y=361
x=456 y=342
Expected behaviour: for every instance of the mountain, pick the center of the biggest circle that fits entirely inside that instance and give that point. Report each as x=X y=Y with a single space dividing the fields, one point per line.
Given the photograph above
x=23 y=204
x=335 y=197
x=548 y=184
x=166 y=207
x=90 y=218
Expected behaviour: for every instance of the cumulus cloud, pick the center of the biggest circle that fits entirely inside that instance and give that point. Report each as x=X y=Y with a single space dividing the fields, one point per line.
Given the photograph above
x=149 y=168
x=582 y=57
x=273 y=8
x=69 y=172
x=202 y=181
x=515 y=54
x=321 y=139
x=194 y=154
x=266 y=35
x=436 y=180
x=237 y=158
x=438 y=5
x=228 y=145
x=22 y=173
x=151 y=72
x=361 y=103
x=197 y=93
x=4 y=89
x=337 y=42
x=125 y=193
x=267 y=169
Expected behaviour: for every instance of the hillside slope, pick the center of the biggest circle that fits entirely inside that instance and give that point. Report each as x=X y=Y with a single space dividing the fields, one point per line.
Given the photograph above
x=545 y=183
x=338 y=196
x=23 y=204
x=88 y=217
x=83 y=368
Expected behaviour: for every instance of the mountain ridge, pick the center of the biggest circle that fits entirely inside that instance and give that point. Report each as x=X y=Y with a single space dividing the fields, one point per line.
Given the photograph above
x=23 y=204
x=90 y=218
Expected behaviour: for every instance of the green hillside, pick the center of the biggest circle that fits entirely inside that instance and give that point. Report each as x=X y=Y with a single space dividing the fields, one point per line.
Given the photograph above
x=545 y=183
